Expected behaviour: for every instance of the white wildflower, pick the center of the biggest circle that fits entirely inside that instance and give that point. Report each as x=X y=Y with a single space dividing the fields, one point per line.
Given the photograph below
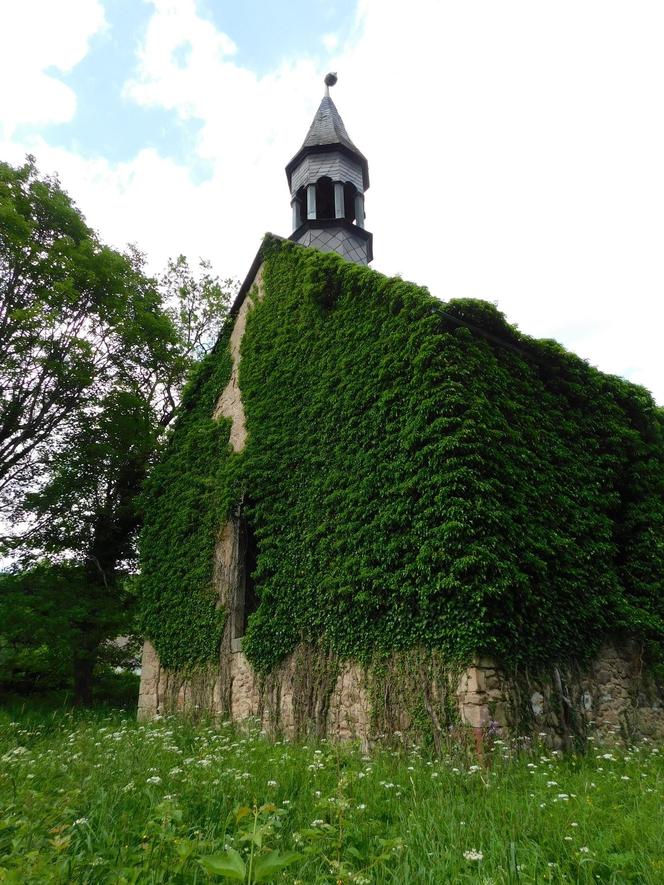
x=473 y=854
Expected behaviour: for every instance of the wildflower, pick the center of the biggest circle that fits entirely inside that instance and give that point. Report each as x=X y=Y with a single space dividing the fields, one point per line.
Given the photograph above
x=473 y=854
x=155 y=779
x=568 y=838
x=625 y=777
x=317 y=822
x=80 y=822
x=272 y=783
x=574 y=824
x=584 y=849
x=361 y=807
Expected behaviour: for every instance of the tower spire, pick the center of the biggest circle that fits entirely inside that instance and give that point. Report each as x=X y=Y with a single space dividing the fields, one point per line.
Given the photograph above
x=327 y=178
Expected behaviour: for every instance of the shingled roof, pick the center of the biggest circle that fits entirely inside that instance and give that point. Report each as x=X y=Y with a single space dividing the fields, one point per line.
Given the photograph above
x=328 y=127
x=328 y=130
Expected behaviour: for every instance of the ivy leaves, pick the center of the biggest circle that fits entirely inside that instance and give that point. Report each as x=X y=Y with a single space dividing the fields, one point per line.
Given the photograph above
x=421 y=474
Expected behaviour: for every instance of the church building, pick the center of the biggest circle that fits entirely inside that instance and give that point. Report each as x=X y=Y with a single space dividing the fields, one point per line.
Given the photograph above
x=383 y=514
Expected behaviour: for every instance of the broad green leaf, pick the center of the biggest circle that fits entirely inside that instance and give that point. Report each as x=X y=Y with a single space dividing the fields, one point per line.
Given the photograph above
x=184 y=849
x=272 y=863
x=229 y=864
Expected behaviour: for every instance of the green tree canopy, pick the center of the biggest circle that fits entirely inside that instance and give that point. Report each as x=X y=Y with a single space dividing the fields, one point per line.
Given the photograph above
x=75 y=316
x=93 y=356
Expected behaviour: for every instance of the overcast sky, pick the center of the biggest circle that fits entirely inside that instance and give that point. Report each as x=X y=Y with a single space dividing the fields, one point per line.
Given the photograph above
x=516 y=147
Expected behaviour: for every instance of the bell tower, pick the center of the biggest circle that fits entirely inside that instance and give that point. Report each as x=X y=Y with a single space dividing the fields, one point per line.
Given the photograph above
x=327 y=178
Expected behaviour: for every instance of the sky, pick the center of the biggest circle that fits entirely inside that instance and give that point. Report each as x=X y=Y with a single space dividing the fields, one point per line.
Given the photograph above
x=515 y=147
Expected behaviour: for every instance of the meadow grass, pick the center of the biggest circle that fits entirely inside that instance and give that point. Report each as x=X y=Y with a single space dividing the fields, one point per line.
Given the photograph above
x=98 y=797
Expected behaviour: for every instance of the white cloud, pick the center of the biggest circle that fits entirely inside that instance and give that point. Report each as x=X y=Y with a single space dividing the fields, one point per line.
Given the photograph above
x=36 y=36
x=515 y=154
x=330 y=41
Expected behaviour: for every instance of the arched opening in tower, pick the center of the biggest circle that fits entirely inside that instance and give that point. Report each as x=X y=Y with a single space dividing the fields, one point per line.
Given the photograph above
x=324 y=198
x=301 y=197
x=349 y=201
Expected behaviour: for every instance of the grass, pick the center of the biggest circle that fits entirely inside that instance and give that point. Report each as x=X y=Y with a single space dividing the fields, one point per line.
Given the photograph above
x=92 y=798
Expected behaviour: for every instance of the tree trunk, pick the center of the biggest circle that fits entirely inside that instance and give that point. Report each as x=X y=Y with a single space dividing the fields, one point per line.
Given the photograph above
x=83 y=667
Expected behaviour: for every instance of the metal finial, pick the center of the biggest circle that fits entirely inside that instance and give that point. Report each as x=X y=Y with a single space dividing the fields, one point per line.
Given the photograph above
x=330 y=80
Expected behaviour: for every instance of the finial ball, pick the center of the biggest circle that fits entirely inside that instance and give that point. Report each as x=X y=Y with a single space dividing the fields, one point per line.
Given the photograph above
x=331 y=78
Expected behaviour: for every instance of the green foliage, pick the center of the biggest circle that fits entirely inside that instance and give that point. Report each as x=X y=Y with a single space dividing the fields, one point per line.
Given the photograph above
x=190 y=493
x=45 y=613
x=99 y=798
x=254 y=827
x=73 y=315
x=93 y=357
x=421 y=474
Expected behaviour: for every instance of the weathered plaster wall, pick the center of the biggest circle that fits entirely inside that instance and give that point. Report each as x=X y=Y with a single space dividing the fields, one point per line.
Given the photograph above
x=412 y=693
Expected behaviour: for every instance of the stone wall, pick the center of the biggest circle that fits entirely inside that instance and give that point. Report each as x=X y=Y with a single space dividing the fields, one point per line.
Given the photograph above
x=614 y=696
x=416 y=697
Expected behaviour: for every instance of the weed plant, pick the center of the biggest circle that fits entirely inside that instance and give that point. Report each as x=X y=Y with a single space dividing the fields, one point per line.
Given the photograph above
x=100 y=798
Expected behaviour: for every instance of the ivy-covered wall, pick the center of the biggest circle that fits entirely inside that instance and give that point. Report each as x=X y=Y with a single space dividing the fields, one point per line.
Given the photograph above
x=419 y=474
x=188 y=496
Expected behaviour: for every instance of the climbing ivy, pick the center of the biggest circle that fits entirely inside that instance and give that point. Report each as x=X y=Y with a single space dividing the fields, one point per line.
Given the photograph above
x=421 y=474
x=187 y=498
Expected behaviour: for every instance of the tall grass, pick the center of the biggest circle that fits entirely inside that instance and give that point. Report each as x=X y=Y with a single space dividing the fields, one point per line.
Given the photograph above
x=99 y=798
